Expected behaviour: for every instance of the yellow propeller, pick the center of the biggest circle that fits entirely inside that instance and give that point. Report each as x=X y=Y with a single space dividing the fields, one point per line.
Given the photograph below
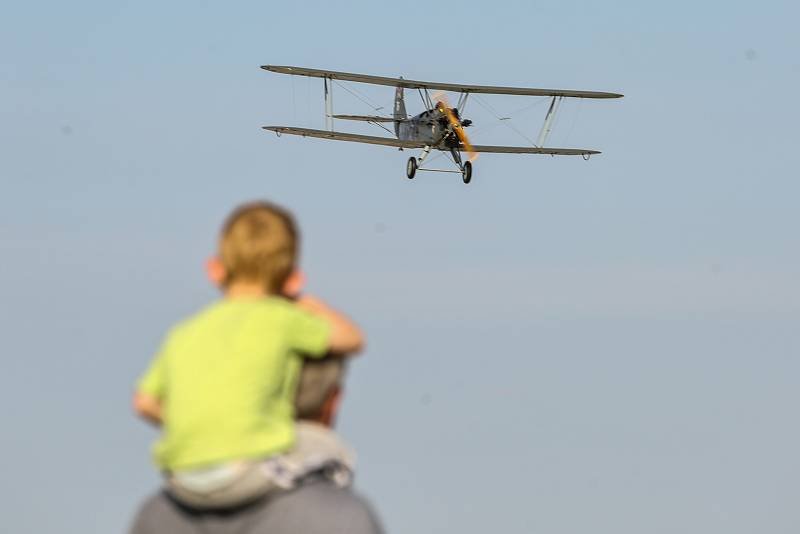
x=443 y=106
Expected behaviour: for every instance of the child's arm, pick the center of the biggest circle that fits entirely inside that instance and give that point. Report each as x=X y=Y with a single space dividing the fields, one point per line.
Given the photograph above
x=345 y=337
x=147 y=407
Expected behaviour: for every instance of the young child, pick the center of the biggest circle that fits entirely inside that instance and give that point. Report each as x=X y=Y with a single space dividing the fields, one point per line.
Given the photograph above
x=223 y=384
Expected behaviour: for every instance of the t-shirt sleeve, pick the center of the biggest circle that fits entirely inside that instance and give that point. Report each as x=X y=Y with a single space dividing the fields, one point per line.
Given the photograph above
x=308 y=334
x=154 y=380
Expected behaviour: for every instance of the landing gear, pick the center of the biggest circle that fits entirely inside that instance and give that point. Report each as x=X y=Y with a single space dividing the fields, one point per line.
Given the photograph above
x=466 y=172
x=464 y=167
x=411 y=167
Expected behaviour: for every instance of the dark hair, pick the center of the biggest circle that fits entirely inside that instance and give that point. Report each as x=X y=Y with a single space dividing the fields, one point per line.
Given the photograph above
x=319 y=380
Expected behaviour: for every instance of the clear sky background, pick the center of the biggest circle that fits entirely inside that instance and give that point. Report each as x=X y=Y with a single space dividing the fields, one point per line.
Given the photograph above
x=561 y=347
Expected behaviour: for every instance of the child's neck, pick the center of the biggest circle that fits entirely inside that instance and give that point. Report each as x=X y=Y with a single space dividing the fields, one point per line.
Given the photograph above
x=245 y=290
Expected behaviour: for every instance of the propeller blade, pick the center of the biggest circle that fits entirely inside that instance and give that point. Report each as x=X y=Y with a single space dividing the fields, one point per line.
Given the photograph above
x=443 y=105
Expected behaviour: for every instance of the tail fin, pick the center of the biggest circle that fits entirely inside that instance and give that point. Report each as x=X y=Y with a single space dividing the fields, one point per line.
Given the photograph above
x=399 y=109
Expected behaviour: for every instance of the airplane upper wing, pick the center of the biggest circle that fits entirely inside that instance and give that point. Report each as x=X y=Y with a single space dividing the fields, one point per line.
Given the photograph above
x=533 y=150
x=415 y=84
x=341 y=136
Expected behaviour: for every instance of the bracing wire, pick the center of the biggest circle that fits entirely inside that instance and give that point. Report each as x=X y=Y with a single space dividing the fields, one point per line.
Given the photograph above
x=359 y=96
x=526 y=108
x=504 y=120
x=574 y=120
x=379 y=125
x=366 y=100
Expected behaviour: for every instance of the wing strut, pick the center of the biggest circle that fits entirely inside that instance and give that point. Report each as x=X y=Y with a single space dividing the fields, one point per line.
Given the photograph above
x=548 y=120
x=329 y=104
x=462 y=103
x=426 y=98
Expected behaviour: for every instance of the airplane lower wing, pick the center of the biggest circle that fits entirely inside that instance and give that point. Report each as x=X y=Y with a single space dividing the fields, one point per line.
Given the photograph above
x=341 y=136
x=389 y=141
x=533 y=150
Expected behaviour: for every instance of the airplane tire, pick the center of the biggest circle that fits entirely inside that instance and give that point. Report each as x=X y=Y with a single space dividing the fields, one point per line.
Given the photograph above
x=411 y=167
x=466 y=173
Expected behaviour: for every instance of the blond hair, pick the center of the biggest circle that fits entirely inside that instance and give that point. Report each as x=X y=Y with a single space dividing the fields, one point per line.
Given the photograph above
x=259 y=243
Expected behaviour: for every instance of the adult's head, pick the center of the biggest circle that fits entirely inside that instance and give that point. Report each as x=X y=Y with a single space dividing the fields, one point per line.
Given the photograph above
x=319 y=390
x=258 y=245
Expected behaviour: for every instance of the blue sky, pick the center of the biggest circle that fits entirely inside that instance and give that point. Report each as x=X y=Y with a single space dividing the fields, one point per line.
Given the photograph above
x=560 y=346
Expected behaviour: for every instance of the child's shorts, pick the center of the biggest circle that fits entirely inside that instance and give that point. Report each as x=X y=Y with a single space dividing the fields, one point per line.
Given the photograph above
x=225 y=486
x=318 y=451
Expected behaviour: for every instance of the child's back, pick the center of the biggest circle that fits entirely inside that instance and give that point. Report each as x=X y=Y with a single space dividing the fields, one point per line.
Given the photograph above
x=229 y=373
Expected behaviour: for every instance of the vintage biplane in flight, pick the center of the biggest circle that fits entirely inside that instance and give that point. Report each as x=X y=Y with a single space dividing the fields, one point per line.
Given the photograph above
x=440 y=126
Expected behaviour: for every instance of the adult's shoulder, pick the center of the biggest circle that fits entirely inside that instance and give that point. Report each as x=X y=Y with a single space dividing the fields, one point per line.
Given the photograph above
x=318 y=507
x=159 y=514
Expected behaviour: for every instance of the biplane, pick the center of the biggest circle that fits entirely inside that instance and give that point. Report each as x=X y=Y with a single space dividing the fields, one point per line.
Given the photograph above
x=440 y=127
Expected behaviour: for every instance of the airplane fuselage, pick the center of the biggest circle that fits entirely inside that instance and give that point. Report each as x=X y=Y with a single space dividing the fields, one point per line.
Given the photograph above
x=429 y=127
x=432 y=127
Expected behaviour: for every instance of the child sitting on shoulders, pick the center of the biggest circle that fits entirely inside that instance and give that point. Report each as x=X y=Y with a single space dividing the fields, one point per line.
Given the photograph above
x=223 y=384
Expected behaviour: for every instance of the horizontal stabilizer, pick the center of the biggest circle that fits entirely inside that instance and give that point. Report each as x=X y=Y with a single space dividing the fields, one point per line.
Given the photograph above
x=365 y=118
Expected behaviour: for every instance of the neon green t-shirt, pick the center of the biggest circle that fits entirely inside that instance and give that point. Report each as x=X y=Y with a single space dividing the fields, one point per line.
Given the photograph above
x=226 y=378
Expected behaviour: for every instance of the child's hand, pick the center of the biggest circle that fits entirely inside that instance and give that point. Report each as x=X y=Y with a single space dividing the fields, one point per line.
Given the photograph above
x=346 y=337
x=148 y=408
x=311 y=304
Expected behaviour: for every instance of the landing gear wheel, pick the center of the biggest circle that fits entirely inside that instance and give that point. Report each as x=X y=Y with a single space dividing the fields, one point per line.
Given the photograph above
x=411 y=167
x=466 y=172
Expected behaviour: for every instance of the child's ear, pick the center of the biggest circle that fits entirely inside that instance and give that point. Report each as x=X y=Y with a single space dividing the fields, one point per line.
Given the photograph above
x=294 y=284
x=215 y=271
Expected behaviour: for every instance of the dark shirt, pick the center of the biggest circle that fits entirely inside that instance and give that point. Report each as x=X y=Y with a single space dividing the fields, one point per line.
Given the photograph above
x=316 y=507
